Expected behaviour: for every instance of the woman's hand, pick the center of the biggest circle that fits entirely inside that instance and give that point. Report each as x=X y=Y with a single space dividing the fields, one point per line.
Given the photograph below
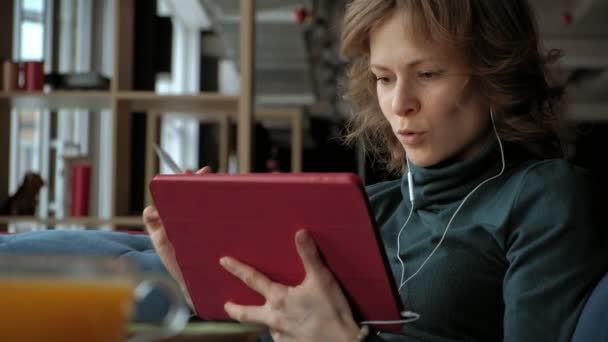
x=315 y=310
x=157 y=234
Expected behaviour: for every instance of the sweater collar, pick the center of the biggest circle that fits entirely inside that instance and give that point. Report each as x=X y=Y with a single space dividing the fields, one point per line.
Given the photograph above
x=451 y=181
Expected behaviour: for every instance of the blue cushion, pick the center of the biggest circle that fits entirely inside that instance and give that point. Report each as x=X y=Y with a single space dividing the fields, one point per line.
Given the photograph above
x=593 y=323
x=137 y=248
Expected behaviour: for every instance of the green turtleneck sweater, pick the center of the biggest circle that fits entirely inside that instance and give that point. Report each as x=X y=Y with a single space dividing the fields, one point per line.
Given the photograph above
x=518 y=260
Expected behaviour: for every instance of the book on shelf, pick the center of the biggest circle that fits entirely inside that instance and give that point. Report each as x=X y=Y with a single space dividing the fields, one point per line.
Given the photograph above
x=77 y=173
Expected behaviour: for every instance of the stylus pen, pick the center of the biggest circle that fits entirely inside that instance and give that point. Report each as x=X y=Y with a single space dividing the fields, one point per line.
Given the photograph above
x=166 y=158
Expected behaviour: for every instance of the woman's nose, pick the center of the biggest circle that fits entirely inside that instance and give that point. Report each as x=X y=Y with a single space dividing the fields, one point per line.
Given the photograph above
x=404 y=101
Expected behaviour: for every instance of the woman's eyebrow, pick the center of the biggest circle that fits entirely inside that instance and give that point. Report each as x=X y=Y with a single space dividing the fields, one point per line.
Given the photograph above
x=409 y=64
x=378 y=67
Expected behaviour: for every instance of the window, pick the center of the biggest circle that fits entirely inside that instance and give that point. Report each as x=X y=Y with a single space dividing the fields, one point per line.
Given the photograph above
x=31 y=30
x=28 y=130
x=43 y=141
x=180 y=134
x=34 y=6
x=29 y=26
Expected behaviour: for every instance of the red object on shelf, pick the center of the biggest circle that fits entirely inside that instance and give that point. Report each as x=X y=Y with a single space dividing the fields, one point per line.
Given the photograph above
x=33 y=76
x=10 y=76
x=80 y=188
x=300 y=15
x=567 y=18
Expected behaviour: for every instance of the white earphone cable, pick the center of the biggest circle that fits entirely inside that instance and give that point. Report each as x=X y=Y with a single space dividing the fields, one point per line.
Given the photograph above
x=502 y=155
x=412 y=316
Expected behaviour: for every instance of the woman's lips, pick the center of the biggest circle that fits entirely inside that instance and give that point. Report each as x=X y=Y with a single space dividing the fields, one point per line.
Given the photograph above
x=411 y=138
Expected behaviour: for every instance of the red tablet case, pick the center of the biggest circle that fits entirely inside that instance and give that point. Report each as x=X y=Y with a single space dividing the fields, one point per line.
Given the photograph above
x=254 y=217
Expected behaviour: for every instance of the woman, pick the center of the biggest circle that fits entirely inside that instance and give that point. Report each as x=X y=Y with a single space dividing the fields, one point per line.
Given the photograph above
x=488 y=237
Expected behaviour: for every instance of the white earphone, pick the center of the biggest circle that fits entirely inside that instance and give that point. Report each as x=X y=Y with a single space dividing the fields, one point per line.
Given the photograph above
x=409 y=315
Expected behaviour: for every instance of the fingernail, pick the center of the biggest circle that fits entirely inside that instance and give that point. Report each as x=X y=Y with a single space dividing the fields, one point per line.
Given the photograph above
x=224 y=262
x=305 y=237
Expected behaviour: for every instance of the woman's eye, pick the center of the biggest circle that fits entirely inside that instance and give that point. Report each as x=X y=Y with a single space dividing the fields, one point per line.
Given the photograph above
x=382 y=79
x=429 y=75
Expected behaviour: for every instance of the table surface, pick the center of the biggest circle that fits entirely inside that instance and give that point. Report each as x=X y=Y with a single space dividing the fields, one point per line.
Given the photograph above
x=208 y=332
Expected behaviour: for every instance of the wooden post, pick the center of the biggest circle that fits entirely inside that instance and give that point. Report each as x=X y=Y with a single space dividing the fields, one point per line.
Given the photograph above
x=124 y=15
x=7 y=12
x=297 y=126
x=224 y=144
x=121 y=161
x=122 y=79
x=152 y=137
x=246 y=99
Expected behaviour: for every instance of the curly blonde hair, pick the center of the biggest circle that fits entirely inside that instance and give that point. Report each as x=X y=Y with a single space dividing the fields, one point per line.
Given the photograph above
x=499 y=40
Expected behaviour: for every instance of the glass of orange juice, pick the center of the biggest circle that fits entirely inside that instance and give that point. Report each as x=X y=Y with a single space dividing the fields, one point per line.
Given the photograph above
x=61 y=298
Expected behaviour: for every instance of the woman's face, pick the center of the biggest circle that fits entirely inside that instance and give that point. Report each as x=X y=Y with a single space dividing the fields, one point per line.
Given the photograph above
x=426 y=96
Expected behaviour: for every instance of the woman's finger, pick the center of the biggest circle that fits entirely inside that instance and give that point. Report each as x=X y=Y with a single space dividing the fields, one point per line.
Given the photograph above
x=248 y=275
x=308 y=253
x=150 y=216
x=247 y=314
x=150 y=212
x=206 y=169
x=276 y=336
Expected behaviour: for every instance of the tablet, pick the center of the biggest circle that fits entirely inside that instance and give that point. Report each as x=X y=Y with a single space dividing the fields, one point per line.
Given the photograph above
x=254 y=218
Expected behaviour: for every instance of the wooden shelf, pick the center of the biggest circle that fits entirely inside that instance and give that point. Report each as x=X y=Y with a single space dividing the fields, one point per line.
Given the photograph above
x=126 y=221
x=58 y=99
x=121 y=100
x=206 y=103
x=200 y=103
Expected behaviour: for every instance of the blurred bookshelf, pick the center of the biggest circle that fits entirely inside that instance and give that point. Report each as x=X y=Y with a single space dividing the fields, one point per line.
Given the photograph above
x=121 y=101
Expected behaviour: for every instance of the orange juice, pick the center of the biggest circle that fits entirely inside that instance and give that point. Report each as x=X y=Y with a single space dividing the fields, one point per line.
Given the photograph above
x=47 y=309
